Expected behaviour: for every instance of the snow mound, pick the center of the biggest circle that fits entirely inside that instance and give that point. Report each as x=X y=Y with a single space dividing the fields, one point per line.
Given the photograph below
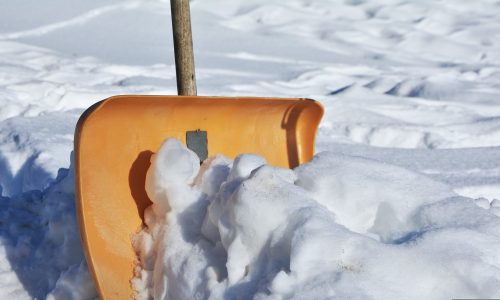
x=337 y=227
x=39 y=235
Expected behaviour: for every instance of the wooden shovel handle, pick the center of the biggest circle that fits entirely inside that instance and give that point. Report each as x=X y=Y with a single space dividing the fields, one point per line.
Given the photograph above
x=183 y=48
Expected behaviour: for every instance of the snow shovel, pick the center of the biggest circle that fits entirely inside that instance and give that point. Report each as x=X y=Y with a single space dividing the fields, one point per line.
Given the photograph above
x=116 y=137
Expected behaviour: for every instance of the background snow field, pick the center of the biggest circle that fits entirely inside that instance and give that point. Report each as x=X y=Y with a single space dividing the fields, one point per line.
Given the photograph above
x=401 y=204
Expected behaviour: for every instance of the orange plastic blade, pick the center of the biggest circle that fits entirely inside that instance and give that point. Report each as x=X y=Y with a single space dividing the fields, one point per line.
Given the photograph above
x=115 y=139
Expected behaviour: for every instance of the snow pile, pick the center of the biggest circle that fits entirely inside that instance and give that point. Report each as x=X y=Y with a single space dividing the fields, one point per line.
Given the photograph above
x=41 y=252
x=336 y=227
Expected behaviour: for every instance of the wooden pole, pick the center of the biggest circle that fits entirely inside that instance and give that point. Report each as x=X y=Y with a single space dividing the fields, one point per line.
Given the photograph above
x=183 y=48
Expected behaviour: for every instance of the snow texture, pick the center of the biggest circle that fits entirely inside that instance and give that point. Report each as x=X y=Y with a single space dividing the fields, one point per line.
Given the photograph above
x=407 y=182
x=326 y=230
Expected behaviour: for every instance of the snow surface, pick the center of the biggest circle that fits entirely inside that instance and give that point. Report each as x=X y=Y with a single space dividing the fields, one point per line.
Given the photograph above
x=409 y=88
x=326 y=230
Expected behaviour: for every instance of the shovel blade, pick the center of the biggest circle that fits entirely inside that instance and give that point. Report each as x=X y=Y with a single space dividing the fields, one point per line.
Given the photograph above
x=116 y=137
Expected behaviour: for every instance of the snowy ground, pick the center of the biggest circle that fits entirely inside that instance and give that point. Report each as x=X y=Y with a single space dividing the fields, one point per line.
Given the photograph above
x=409 y=84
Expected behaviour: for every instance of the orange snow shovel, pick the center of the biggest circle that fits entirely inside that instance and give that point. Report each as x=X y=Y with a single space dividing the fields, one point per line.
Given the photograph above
x=116 y=137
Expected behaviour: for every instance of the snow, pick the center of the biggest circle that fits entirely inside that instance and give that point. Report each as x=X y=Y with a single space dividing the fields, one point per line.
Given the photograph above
x=326 y=230
x=410 y=90
x=41 y=245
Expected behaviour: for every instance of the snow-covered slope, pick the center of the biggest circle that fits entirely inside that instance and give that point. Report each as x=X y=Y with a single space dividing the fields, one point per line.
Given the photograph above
x=412 y=84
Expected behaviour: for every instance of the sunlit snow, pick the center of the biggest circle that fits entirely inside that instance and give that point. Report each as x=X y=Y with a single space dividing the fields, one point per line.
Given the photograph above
x=400 y=202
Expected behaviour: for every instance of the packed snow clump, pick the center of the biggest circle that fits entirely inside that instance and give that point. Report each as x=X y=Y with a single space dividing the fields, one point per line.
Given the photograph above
x=338 y=227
